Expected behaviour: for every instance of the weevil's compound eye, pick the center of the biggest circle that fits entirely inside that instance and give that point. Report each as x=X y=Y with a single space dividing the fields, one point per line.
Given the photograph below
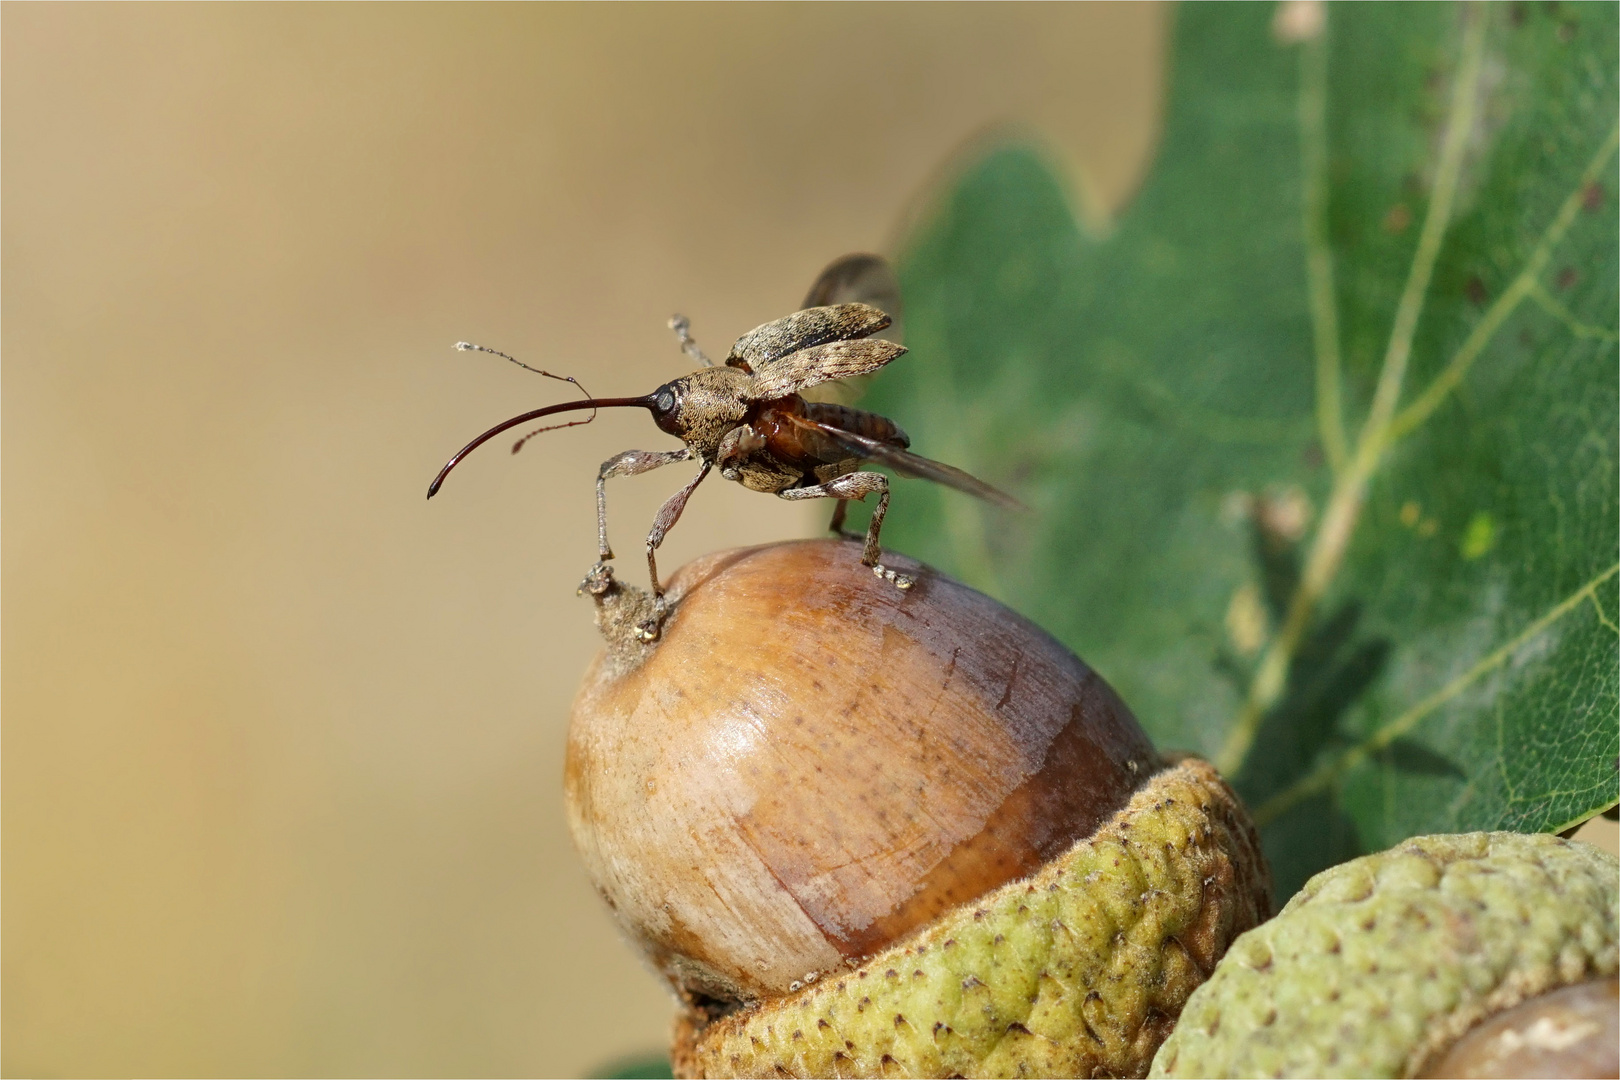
x=667 y=406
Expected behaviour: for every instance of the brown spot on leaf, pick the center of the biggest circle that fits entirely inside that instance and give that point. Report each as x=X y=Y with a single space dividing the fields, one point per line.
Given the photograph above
x=1474 y=288
x=1566 y=277
x=1398 y=219
x=1592 y=196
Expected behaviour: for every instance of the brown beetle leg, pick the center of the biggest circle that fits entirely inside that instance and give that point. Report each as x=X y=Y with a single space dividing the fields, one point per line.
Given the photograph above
x=668 y=515
x=736 y=447
x=683 y=330
x=836 y=525
x=858 y=485
x=628 y=463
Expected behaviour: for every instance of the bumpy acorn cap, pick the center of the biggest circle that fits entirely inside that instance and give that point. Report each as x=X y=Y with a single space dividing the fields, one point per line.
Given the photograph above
x=1378 y=965
x=1078 y=970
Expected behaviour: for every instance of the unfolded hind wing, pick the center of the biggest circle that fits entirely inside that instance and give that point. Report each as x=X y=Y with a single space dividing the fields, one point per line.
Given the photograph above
x=906 y=463
x=859 y=279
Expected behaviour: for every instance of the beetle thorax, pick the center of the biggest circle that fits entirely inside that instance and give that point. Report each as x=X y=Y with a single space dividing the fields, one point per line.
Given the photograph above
x=713 y=401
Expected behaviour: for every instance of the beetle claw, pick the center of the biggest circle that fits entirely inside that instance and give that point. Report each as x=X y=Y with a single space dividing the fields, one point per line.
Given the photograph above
x=894 y=577
x=598 y=580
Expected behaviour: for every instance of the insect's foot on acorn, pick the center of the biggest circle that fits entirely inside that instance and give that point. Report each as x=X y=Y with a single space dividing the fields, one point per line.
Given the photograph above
x=894 y=577
x=598 y=580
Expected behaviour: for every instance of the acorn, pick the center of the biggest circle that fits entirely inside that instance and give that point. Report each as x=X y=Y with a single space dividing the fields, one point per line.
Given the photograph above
x=866 y=831
x=1573 y=1031
x=1477 y=954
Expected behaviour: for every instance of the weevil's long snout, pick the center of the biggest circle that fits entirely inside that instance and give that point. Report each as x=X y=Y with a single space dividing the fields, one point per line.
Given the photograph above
x=646 y=402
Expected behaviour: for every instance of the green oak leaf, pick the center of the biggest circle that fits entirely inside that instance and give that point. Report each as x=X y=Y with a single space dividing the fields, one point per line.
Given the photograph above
x=1321 y=439
x=653 y=1065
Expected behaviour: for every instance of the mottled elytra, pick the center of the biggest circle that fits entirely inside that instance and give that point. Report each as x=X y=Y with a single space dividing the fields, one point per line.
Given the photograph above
x=750 y=418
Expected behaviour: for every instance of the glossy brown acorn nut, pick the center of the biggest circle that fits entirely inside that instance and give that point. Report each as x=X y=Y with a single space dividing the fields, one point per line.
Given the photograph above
x=1573 y=1031
x=811 y=763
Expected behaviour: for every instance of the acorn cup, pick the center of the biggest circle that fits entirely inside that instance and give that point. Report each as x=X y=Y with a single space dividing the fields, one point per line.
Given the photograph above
x=1487 y=954
x=864 y=831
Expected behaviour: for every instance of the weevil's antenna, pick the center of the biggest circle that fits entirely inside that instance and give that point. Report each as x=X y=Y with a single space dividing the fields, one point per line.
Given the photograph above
x=646 y=402
x=467 y=346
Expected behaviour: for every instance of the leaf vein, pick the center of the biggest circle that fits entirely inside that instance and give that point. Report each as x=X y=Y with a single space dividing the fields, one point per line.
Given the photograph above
x=1318 y=250
x=1556 y=308
x=1524 y=285
x=1325 y=774
x=1603 y=618
x=1350 y=488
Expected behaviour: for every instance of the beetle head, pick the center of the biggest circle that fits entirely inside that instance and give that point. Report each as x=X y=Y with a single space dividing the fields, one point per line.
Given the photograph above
x=701 y=407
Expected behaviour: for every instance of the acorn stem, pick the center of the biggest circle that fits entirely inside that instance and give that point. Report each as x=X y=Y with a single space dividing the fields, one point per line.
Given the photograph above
x=621 y=612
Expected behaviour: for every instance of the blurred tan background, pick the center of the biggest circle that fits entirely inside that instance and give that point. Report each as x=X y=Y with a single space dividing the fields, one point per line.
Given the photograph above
x=282 y=742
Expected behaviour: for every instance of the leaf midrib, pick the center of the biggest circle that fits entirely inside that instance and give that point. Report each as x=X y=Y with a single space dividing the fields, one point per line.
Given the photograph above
x=1339 y=520
x=1385 y=426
